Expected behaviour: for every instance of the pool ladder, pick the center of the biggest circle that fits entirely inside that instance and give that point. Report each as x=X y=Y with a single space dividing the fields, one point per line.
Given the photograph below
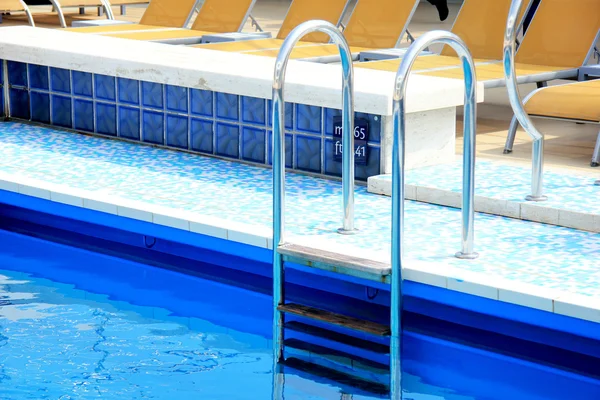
x=284 y=252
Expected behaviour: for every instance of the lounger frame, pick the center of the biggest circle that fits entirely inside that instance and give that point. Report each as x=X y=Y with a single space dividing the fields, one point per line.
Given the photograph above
x=61 y=15
x=26 y=10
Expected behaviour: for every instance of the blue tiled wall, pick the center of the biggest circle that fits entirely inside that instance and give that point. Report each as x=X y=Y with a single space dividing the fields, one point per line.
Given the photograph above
x=221 y=124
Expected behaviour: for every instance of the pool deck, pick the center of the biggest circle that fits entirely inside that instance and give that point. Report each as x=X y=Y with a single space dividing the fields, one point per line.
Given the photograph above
x=536 y=265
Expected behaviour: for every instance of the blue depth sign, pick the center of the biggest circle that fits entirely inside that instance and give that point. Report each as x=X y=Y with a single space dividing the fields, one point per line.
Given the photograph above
x=361 y=137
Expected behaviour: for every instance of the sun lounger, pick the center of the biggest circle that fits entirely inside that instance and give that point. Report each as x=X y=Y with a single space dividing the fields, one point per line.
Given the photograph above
x=9 y=6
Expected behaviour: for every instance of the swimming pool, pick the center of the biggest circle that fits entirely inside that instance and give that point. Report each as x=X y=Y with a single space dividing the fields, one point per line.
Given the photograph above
x=76 y=325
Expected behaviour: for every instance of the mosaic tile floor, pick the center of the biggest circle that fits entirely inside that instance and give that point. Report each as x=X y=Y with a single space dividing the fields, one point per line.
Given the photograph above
x=568 y=191
x=548 y=257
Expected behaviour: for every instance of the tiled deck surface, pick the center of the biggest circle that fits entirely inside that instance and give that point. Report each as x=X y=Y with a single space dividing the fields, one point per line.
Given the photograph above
x=501 y=189
x=536 y=265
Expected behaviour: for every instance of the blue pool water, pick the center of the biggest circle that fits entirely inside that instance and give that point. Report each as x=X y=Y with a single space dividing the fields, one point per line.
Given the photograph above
x=79 y=325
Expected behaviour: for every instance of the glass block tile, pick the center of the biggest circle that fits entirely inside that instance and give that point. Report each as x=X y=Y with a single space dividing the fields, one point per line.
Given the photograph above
x=82 y=84
x=227 y=106
x=308 y=118
x=228 y=140
x=153 y=127
x=83 y=112
x=202 y=102
x=177 y=131
x=129 y=91
x=105 y=87
x=201 y=135
x=152 y=95
x=17 y=73
x=106 y=119
x=129 y=123
x=177 y=99
x=253 y=110
x=38 y=77
x=253 y=144
x=308 y=153
x=40 y=107
x=19 y=103
x=61 y=111
x=60 y=80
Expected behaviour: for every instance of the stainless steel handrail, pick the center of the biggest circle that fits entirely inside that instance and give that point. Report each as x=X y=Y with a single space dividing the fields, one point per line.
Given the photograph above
x=398 y=181
x=510 y=44
x=279 y=164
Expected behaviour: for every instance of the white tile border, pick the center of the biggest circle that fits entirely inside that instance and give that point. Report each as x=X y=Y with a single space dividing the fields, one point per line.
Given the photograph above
x=434 y=274
x=527 y=211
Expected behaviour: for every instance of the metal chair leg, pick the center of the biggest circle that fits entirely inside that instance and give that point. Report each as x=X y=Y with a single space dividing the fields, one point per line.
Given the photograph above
x=596 y=157
x=512 y=133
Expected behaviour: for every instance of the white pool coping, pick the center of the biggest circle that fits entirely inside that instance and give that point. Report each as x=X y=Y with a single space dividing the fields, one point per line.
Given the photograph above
x=437 y=274
x=306 y=83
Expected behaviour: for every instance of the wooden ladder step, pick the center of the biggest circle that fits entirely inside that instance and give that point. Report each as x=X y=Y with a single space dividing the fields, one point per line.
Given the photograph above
x=336 y=319
x=336 y=262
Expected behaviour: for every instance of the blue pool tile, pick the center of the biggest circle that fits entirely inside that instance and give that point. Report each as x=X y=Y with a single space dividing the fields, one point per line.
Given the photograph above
x=253 y=144
x=105 y=87
x=17 y=73
x=177 y=99
x=82 y=84
x=202 y=102
x=38 y=77
x=228 y=140
x=84 y=115
x=227 y=106
x=308 y=153
x=1 y=99
x=289 y=149
x=152 y=95
x=19 y=103
x=153 y=128
x=253 y=110
x=289 y=114
x=60 y=80
x=1 y=72
x=40 y=107
x=129 y=91
x=61 y=111
x=361 y=172
x=308 y=118
x=201 y=135
x=106 y=119
x=177 y=131
x=129 y=123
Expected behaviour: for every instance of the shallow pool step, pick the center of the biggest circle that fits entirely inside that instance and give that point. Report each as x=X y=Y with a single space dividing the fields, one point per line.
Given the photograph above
x=335 y=262
x=329 y=317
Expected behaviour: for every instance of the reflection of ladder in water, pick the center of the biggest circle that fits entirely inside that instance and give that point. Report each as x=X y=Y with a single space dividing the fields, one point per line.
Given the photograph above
x=342 y=341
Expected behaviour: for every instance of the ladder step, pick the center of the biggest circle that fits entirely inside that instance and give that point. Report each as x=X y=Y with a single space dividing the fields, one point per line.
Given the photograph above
x=335 y=262
x=348 y=340
x=337 y=376
x=336 y=319
x=326 y=352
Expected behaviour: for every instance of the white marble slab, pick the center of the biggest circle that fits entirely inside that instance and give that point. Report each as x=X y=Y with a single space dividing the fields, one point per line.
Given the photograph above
x=306 y=83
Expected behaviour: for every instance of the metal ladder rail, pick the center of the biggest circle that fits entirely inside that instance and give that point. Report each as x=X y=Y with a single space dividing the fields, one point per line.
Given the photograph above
x=279 y=169
x=398 y=181
x=521 y=116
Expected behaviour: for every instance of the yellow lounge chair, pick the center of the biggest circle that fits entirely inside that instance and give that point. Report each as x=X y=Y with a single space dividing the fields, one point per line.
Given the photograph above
x=16 y=5
x=215 y=16
x=160 y=14
x=374 y=24
x=300 y=11
x=559 y=40
x=577 y=102
x=478 y=24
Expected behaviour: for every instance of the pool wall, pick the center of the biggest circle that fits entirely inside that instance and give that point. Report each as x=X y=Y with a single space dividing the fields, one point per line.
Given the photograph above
x=250 y=267
x=218 y=103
